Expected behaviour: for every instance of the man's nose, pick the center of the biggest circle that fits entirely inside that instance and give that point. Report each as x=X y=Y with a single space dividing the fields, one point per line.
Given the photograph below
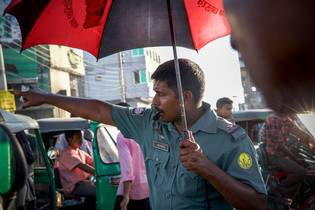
x=155 y=101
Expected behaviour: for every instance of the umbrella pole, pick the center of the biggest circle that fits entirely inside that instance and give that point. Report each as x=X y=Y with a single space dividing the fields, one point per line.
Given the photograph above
x=177 y=71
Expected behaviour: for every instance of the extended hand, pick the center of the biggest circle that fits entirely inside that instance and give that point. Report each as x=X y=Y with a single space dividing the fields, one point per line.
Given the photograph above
x=191 y=155
x=34 y=97
x=124 y=203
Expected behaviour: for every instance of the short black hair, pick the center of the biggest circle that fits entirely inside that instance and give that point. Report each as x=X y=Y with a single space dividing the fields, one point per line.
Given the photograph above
x=70 y=134
x=222 y=101
x=192 y=77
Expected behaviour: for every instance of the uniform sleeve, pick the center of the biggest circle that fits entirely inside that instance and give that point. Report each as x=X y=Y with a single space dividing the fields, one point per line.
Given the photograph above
x=242 y=164
x=132 y=122
x=125 y=159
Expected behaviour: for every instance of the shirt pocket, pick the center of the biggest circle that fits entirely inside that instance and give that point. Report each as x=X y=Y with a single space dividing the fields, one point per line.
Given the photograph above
x=160 y=161
x=188 y=183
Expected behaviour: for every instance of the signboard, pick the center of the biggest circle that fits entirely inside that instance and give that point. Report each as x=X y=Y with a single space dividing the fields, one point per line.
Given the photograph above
x=67 y=59
x=7 y=101
x=20 y=65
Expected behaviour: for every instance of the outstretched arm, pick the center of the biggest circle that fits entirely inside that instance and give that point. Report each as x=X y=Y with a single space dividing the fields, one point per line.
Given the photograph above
x=86 y=108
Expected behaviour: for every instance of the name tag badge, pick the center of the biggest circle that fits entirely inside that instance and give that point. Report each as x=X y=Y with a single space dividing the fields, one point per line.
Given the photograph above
x=161 y=146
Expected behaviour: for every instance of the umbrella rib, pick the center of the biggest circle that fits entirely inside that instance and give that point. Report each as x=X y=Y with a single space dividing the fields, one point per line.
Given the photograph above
x=101 y=39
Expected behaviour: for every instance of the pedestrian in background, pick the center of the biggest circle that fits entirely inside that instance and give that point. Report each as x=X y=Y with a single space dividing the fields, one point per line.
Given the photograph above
x=224 y=108
x=133 y=192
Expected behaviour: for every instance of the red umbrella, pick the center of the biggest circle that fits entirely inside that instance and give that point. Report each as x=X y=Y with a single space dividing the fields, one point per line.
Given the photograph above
x=104 y=27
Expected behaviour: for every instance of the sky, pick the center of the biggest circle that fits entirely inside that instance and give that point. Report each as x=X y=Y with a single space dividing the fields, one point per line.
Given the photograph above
x=221 y=67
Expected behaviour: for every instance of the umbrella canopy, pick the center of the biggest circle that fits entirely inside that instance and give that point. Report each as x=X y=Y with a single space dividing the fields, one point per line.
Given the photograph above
x=104 y=27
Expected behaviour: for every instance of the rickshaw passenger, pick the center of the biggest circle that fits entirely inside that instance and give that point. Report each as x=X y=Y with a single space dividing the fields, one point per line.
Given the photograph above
x=76 y=167
x=62 y=142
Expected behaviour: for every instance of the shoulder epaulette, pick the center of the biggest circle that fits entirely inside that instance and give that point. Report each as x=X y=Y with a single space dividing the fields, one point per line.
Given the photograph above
x=236 y=131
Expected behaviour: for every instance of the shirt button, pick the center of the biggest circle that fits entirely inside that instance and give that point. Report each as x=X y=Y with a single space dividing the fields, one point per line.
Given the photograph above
x=156 y=159
x=168 y=195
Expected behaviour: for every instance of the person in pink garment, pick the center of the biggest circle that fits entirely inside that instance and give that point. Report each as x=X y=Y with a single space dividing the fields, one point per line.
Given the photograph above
x=133 y=192
x=76 y=167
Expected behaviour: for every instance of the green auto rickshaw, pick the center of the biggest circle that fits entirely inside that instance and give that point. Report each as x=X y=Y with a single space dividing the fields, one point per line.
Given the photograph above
x=105 y=156
x=42 y=134
x=17 y=174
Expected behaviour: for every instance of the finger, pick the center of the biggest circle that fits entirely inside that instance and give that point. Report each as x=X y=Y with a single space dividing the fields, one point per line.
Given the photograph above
x=184 y=144
x=16 y=92
x=123 y=206
x=11 y=91
x=26 y=104
x=188 y=160
x=188 y=145
x=184 y=159
x=183 y=152
x=191 y=137
x=197 y=148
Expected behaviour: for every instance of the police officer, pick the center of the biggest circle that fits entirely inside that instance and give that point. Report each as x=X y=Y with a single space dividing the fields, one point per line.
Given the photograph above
x=215 y=168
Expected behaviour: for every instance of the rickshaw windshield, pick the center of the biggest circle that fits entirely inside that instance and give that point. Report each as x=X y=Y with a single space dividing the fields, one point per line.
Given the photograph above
x=38 y=156
x=107 y=146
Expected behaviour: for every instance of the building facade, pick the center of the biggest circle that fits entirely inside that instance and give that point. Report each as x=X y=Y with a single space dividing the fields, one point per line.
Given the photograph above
x=52 y=68
x=122 y=77
x=253 y=97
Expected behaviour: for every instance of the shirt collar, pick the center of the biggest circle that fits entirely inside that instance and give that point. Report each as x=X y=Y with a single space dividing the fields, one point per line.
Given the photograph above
x=207 y=122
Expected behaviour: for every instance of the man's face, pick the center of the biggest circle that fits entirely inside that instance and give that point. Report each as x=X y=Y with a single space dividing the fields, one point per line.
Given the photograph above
x=276 y=40
x=225 y=111
x=76 y=140
x=166 y=102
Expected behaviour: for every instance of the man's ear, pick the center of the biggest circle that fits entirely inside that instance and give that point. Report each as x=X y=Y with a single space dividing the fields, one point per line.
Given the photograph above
x=188 y=96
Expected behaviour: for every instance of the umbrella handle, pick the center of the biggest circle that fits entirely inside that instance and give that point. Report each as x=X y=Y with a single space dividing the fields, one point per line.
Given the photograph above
x=177 y=71
x=185 y=135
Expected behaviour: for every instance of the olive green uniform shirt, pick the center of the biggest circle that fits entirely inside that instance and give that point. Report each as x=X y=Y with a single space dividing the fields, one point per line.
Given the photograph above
x=172 y=186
